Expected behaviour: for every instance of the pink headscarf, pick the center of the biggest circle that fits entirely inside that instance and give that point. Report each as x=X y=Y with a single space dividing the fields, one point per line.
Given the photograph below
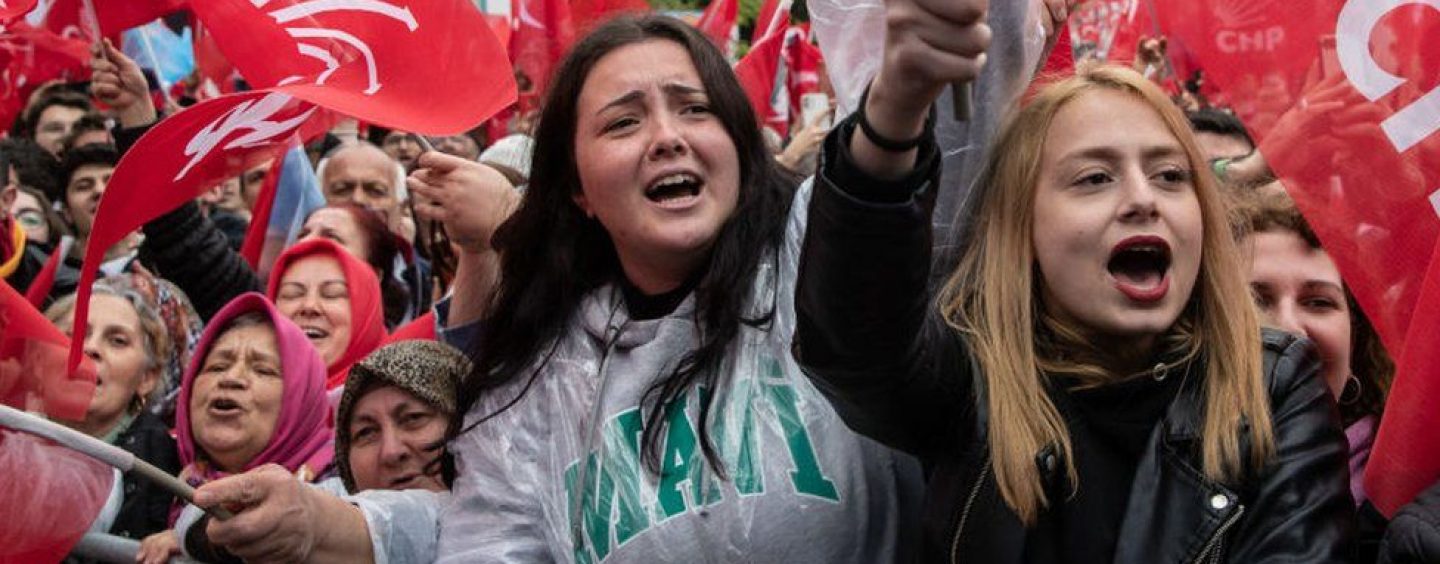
x=303 y=441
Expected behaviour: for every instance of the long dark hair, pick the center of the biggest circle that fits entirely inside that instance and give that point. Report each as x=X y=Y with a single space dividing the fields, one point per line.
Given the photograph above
x=553 y=255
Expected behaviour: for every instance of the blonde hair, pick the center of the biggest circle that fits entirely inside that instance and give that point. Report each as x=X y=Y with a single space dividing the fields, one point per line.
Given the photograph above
x=998 y=308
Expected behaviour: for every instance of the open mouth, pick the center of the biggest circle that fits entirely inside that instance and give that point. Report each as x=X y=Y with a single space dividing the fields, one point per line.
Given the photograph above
x=1141 y=266
x=674 y=188
x=315 y=333
x=224 y=407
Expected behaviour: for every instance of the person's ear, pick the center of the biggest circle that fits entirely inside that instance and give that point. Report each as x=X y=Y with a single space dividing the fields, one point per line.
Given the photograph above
x=148 y=382
x=8 y=194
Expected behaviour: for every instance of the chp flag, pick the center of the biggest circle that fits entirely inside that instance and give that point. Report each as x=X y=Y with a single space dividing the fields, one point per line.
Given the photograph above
x=380 y=61
x=1344 y=96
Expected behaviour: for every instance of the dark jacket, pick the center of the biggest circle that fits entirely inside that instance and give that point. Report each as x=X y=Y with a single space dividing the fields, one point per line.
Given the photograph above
x=1413 y=536
x=184 y=247
x=869 y=336
x=146 y=506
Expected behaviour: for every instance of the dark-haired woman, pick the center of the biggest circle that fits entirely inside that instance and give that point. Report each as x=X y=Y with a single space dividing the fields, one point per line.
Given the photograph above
x=634 y=399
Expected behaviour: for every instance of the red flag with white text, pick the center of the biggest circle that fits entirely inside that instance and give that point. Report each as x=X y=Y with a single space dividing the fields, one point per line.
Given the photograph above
x=1345 y=99
x=381 y=61
x=374 y=60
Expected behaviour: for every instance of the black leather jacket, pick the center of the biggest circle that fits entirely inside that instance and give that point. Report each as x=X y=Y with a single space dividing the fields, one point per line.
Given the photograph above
x=869 y=337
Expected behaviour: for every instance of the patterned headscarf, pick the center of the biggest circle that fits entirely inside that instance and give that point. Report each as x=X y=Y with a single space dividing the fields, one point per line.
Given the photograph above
x=428 y=370
x=181 y=323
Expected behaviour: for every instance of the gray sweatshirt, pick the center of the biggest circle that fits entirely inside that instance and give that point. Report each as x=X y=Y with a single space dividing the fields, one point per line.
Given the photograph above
x=558 y=477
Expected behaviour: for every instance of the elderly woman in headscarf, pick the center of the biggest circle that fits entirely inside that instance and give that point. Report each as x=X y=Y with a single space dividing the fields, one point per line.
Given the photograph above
x=131 y=343
x=254 y=395
x=393 y=415
x=335 y=300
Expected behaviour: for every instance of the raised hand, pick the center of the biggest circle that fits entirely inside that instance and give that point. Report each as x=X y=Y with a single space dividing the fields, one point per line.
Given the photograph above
x=471 y=199
x=928 y=45
x=116 y=80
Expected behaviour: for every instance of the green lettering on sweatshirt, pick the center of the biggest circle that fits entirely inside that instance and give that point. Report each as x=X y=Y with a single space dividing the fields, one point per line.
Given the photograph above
x=807 y=476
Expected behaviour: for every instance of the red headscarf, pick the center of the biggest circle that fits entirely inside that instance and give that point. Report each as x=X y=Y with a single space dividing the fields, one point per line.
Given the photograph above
x=367 y=313
x=303 y=441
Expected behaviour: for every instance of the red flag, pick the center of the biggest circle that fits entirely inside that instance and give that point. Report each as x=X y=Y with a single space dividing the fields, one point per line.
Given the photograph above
x=806 y=64
x=11 y=9
x=774 y=17
x=183 y=156
x=71 y=18
x=51 y=495
x=216 y=74
x=1061 y=60
x=260 y=218
x=718 y=22
x=587 y=14
x=1344 y=98
x=543 y=34
x=32 y=363
x=30 y=57
x=376 y=60
x=372 y=60
x=762 y=73
x=500 y=26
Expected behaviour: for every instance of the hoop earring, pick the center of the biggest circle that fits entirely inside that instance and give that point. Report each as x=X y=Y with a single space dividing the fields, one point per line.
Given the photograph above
x=1351 y=392
x=137 y=403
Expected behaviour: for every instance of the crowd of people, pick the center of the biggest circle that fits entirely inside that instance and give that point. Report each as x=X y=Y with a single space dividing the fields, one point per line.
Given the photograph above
x=637 y=330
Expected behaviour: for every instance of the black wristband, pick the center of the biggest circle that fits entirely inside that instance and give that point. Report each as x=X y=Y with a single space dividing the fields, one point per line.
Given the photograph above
x=887 y=143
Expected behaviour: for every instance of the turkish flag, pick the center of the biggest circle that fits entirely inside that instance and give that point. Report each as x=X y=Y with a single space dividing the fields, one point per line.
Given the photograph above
x=30 y=57
x=381 y=61
x=543 y=34
x=587 y=14
x=1345 y=98
x=11 y=9
x=70 y=18
x=718 y=22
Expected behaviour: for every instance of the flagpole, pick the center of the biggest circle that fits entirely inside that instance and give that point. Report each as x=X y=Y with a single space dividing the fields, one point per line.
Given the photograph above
x=102 y=451
x=149 y=47
x=93 y=22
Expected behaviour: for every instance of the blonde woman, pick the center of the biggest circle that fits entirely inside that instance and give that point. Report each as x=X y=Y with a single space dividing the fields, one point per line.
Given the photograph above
x=1092 y=384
